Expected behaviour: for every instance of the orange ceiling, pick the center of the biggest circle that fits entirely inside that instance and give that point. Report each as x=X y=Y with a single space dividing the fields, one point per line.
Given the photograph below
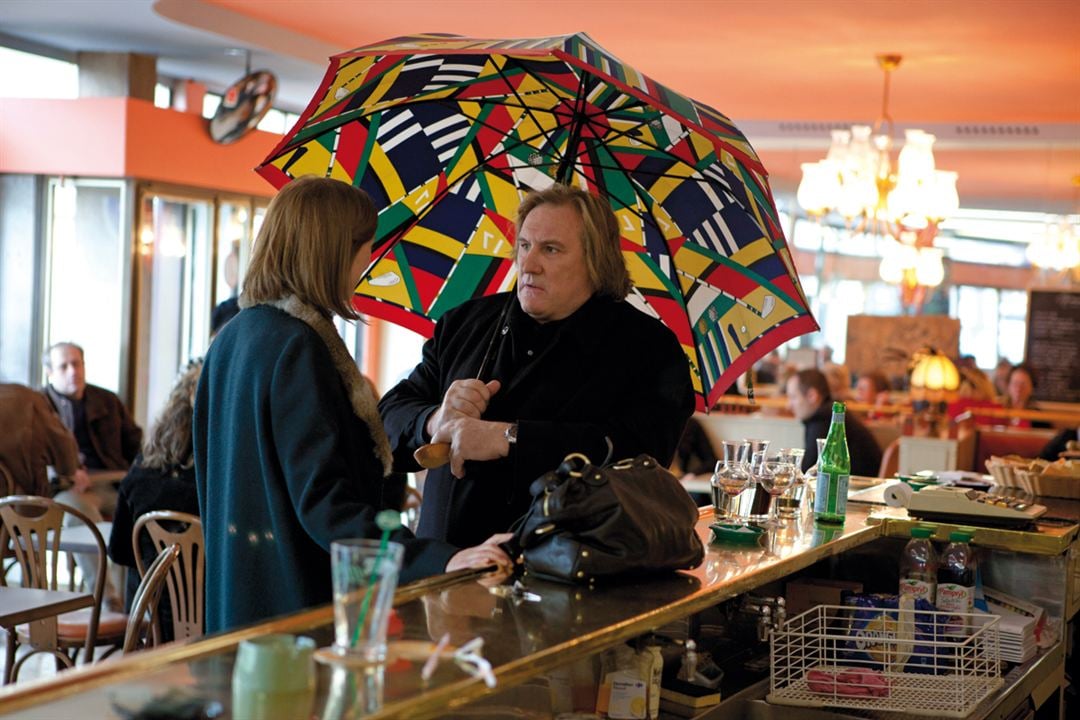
x=965 y=61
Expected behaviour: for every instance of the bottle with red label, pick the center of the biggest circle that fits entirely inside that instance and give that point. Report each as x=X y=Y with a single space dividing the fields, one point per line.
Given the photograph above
x=956 y=583
x=919 y=566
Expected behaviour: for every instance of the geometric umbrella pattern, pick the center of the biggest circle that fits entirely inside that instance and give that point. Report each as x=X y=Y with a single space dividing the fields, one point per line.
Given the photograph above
x=448 y=134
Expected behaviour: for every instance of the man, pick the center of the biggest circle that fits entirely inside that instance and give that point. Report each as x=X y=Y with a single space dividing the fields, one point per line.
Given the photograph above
x=811 y=401
x=570 y=368
x=32 y=438
x=107 y=437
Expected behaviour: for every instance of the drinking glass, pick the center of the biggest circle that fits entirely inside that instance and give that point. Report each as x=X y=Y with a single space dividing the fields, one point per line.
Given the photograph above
x=730 y=478
x=365 y=575
x=756 y=507
x=776 y=477
x=791 y=502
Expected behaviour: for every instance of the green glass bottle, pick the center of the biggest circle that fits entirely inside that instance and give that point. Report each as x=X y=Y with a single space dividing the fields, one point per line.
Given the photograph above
x=834 y=470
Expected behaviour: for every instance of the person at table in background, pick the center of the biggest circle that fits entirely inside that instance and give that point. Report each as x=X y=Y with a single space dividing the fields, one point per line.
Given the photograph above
x=810 y=400
x=1021 y=386
x=289 y=451
x=872 y=388
x=162 y=478
x=1001 y=377
x=976 y=391
x=574 y=369
x=32 y=438
x=222 y=313
x=107 y=437
x=837 y=374
x=1059 y=444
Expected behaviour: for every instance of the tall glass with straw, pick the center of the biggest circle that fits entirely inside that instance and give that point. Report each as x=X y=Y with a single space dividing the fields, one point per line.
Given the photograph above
x=365 y=576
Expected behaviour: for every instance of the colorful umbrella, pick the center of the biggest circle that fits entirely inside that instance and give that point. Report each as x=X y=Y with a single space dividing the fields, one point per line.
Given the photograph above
x=448 y=134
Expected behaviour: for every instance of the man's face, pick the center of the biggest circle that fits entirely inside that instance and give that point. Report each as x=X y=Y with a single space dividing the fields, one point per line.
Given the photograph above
x=553 y=281
x=802 y=405
x=66 y=372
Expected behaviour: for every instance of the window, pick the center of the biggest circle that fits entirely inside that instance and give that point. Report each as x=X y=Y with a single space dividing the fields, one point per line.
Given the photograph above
x=175 y=303
x=162 y=96
x=86 y=273
x=25 y=75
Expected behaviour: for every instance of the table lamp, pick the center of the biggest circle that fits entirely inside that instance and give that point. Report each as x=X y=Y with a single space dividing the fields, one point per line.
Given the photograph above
x=934 y=378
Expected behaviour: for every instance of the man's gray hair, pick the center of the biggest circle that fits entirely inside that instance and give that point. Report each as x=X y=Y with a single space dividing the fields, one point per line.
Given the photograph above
x=46 y=358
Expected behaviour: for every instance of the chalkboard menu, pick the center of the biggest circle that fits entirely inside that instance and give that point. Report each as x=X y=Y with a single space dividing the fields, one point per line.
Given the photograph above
x=1053 y=343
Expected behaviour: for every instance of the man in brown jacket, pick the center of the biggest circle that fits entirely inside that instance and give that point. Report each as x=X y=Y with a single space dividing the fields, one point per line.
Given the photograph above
x=31 y=438
x=107 y=437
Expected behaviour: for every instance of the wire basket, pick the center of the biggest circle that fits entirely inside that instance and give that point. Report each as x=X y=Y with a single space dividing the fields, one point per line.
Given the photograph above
x=913 y=661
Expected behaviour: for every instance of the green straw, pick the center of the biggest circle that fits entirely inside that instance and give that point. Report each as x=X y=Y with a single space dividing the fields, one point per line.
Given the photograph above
x=388 y=521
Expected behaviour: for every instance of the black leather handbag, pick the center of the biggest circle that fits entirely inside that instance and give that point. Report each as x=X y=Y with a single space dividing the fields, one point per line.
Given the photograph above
x=629 y=517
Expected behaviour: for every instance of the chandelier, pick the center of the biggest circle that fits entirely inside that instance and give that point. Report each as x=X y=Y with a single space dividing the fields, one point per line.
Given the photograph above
x=903 y=206
x=1059 y=247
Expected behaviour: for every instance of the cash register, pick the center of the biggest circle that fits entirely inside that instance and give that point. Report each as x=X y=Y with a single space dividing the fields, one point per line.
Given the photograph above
x=944 y=503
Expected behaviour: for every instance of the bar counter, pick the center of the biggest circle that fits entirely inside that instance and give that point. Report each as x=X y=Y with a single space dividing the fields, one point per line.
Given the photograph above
x=521 y=639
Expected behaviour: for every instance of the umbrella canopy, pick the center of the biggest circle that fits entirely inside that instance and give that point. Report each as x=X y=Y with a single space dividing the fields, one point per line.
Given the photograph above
x=448 y=134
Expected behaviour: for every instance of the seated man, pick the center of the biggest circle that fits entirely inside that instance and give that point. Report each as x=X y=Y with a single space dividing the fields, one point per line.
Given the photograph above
x=1059 y=444
x=810 y=401
x=568 y=366
x=32 y=438
x=107 y=437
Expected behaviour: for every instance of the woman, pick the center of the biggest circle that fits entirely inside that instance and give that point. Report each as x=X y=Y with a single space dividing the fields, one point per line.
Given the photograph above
x=290 y=453
x=162 y=478
x=1020 y=388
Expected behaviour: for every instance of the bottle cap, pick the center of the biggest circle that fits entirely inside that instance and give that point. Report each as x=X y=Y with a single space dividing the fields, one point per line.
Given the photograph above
x=838 y=407
x=922 y=532
x=960 y=536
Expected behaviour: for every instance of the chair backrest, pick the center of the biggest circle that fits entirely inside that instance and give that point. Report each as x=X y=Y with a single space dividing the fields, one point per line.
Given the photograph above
x=35 y=525
x=7 y=487
x=145 y=602
x=187 y=577
x=7 y=481
x=890 y=460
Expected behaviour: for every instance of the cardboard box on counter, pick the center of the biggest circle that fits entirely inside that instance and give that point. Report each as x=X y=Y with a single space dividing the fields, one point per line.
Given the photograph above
x=804 y=593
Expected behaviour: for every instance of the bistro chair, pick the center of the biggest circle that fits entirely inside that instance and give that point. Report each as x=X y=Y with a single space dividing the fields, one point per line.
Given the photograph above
x=144 y=607
x=35 y=526
x=7 y=557
x=890 y=460
x=187 y=577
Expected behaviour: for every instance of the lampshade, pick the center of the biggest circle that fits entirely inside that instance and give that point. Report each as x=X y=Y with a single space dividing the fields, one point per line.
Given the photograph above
x=935 y=372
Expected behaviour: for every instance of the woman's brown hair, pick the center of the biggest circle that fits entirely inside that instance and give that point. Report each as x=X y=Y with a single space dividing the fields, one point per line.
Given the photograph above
x=305 y=247
x=169 y=445
x=599 y=236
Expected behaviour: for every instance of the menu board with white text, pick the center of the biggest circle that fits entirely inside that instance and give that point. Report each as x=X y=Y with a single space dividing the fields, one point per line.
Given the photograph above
x=1053 y=343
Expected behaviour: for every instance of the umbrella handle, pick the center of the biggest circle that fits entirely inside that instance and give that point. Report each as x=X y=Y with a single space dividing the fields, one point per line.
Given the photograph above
x=432 y=455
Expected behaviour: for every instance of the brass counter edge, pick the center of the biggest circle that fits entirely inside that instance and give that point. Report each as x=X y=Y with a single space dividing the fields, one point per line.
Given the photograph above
x=454 y=695
x=88 y=677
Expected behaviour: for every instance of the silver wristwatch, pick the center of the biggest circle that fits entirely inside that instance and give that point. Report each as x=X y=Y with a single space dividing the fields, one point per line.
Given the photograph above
x=510 y=433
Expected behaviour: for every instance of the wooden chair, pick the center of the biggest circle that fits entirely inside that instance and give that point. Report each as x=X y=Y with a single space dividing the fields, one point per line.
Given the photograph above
x=890 y=460
x=186 y=579
x=35 y=526
x=143 y=616
x=7 y=557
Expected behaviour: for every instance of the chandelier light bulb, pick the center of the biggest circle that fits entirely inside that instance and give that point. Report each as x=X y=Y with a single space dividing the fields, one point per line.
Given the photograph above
x=929 y=270
x=814 y=193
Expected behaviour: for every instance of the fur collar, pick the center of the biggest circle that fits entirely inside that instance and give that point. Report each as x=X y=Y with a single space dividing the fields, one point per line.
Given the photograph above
x=361 y=393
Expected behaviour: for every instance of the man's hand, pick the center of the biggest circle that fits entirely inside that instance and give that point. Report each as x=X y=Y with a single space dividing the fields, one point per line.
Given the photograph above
x=483 y=555
x=472 y=439
x=81 y=480
x=464 y=398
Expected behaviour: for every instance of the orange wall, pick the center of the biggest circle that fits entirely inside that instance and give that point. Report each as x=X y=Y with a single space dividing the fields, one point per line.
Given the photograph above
x=123 y=137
